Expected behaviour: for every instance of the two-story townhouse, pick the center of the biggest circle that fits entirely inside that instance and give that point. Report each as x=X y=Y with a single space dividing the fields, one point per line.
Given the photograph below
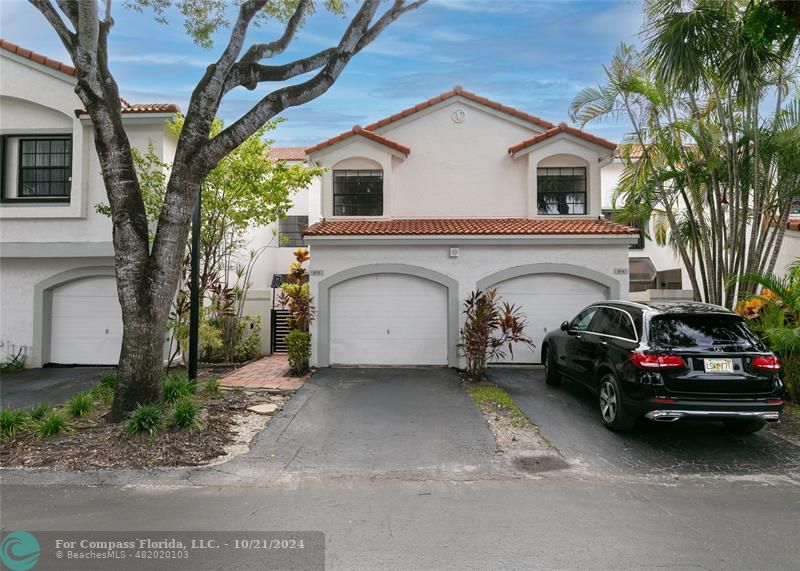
x=58 y=298
x=455 y=194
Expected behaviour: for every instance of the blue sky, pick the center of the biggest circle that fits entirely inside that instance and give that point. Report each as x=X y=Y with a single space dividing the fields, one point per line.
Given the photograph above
x=533 y=55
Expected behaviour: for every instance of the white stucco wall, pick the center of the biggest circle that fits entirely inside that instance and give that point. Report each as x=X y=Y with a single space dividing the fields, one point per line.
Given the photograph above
x=474 y=262
x=462 y=169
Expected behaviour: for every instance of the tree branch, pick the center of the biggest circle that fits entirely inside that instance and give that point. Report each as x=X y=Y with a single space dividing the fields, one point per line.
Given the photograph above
x=261 y=51
x=333 y=60
x=64 y=33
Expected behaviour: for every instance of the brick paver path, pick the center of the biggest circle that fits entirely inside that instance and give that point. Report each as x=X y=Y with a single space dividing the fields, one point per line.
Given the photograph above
x=269 y=373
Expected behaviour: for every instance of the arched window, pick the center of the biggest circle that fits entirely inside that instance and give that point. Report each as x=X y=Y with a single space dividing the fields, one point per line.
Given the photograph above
x=357 y=188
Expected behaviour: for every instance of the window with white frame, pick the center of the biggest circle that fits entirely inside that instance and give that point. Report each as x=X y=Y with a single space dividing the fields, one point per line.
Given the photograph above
x=36 y=168
x=561 y=191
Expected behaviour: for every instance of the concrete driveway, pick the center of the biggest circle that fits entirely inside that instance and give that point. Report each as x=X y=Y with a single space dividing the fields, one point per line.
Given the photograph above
x=361 y=422
x=569 y=418
x=55 y=385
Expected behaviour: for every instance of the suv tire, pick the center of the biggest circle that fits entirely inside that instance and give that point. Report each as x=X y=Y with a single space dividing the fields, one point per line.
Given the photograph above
x=551 y=375
x=612 y=413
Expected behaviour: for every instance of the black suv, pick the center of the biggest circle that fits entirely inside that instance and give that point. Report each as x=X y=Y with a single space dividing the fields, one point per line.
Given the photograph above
x=667 y=361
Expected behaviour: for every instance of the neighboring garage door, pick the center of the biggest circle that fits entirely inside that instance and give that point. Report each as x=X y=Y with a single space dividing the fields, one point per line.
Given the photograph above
x=388 y=319
x=547 y=300
x=86 y=323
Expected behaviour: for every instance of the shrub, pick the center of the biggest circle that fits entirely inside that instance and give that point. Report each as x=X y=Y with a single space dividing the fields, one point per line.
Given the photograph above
x=11 y=420
x=298 y=347
x=212 y=387
x=145 y=418
x=108 y=381
x=185 y=414
x=38 y=412
x=177 y=387
x=80 y=405
x=52 y=424
x=489 y=329
x=102 y=393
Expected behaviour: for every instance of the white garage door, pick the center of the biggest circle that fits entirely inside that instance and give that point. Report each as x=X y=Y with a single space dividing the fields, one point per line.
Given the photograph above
x=547 y=300
x=86 y=324
x=388 y=319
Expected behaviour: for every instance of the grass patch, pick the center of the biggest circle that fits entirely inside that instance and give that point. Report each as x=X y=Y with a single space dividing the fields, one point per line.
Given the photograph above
x=212 y=387
x=52 y=424
x=80 y=405
x=38 y=412
x=185 y=414
x=493 y=399
x=108 y=381
x=145 y=418
x=177 y=387
x=11 y=420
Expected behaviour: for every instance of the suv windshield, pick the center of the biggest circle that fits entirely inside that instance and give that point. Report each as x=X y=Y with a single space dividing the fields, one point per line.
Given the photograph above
x=726 y=332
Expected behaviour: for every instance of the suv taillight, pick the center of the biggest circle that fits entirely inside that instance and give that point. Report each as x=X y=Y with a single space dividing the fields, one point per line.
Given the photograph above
x=657 y=362
x=766 y=363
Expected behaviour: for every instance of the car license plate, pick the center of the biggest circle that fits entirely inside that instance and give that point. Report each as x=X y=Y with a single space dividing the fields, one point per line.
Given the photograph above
x=718 y=365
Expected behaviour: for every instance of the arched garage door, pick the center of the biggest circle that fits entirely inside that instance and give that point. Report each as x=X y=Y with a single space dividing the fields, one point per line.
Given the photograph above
x=86 y=322
x=388 y=319
x=547 y=300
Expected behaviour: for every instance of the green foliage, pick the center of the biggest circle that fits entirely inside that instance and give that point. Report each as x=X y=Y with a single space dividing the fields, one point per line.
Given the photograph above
x=489 y=330
x=177 y=387
x=108 y=380
x=80 y=405
x=13 y=363
x=145 y=419
x=52 y=424
x=704 y=157
x=296 y=294
x=775 y=314
x=212 y=388
x=298 y=346
x=185 y=414
x=38 y=412
x=11 y=420
x=102 y=393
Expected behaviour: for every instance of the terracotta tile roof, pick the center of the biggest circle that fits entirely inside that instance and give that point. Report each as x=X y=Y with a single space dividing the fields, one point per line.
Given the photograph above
x=466 y=226
x=459 y=91
x=556 y=130
x=133 y=108
x=793 y=225
x=360 y=131
x=38 y=58
x=288 y=153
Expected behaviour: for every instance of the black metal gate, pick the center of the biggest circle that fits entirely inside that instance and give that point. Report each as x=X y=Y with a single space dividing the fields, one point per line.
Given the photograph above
x=279 y=329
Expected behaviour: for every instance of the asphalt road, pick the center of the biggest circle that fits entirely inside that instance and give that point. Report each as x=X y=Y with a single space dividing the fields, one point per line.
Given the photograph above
x=569 y=418
x=53 y=385
x=513 y=524
x=396 y=469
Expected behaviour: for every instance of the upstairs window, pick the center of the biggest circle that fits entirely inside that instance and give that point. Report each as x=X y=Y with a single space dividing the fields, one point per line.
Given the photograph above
x=36 y=168
x=357 y=193
x=561 y=190
x=290 y=231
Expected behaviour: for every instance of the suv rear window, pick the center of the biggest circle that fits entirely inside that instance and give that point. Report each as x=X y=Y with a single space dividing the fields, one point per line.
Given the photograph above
x=726 y=332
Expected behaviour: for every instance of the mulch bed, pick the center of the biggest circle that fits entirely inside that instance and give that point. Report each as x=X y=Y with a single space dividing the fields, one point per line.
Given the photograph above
x=94 y=443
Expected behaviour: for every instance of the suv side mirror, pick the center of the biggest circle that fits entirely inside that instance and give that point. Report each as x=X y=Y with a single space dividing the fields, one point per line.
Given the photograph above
x=565 y=326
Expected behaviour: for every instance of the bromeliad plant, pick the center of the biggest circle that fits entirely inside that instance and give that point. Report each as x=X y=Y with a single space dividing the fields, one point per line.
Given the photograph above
x=490 y=329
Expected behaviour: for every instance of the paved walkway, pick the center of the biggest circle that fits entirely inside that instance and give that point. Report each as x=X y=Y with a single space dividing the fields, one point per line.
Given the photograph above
x=268 y=374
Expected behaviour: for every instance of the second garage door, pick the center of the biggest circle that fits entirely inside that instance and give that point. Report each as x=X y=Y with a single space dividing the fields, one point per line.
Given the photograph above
x=388 y=319
x=547 y=300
